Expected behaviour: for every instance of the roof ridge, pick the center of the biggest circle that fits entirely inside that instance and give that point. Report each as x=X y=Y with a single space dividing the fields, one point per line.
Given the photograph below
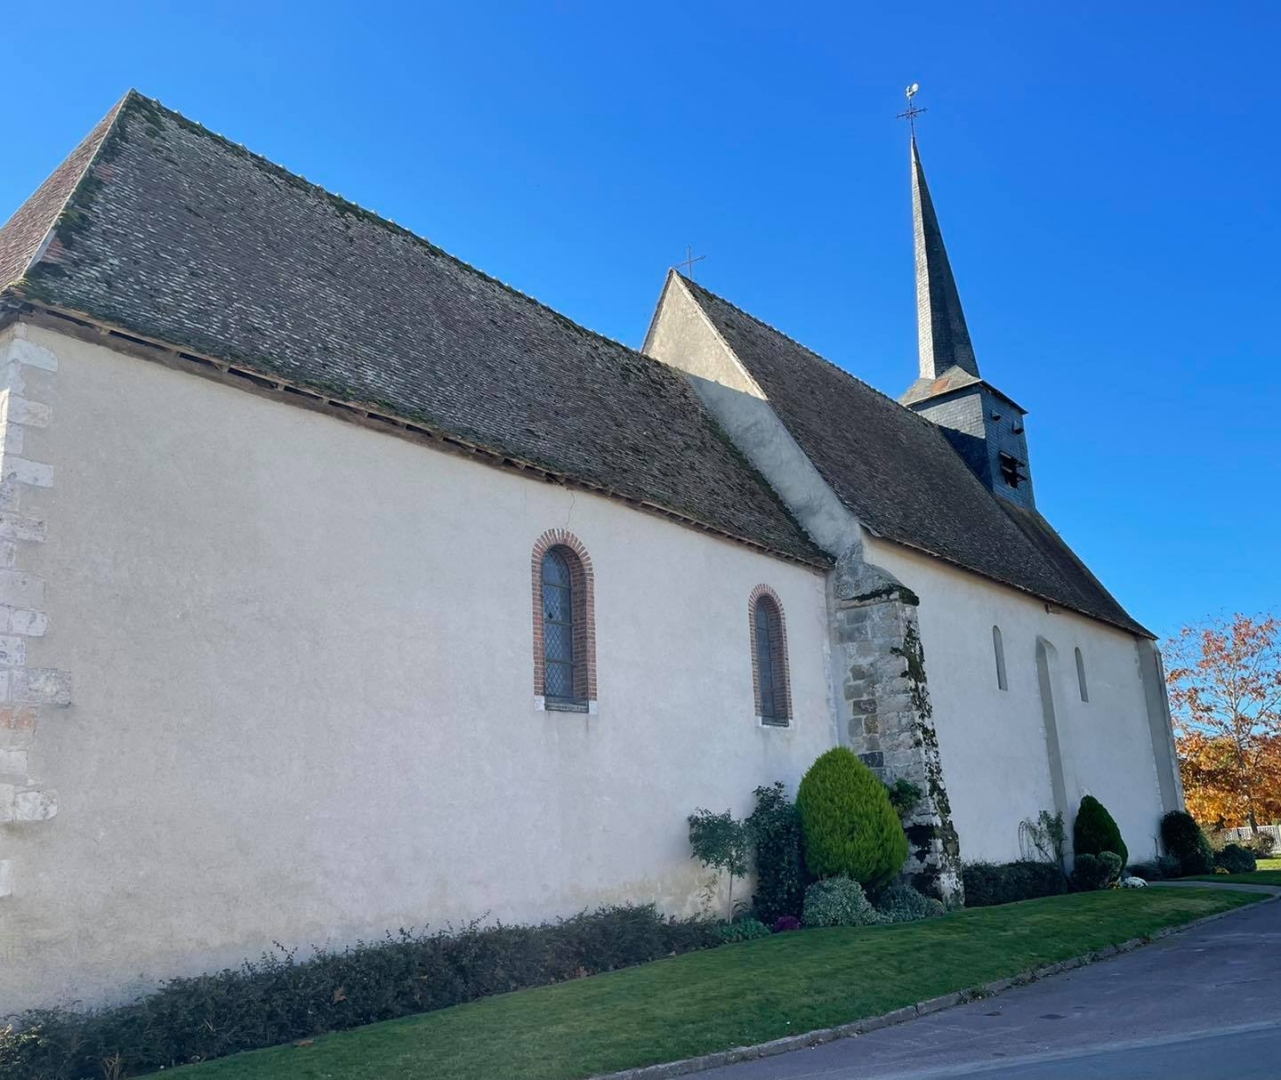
x=800 y=345
x=346 y=206
x=928 y=423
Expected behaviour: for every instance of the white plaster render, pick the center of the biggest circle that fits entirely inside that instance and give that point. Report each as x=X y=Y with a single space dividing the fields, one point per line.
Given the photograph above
x=302 y=654
x=1118 y=745
x=993 y=741
x=865 y=669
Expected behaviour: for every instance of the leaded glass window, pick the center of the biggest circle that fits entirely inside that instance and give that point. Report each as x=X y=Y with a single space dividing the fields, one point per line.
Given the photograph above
x=771 y=664
x=558 y=627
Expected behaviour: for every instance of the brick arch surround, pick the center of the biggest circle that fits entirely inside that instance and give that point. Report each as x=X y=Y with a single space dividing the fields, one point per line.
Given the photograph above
x=756 y=594
x=583 y=583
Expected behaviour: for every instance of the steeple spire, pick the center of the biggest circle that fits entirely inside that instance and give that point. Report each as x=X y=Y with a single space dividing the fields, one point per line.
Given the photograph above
x=983 y=425
x=942 y=336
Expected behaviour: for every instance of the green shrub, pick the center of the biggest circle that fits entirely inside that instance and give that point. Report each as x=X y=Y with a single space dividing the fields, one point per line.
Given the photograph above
x=902 y=903
x=987 y=883
x=780 y=870
x=747 y=929
x=280 y=998
x=1095 y=831
x=1096 y=871
x=850 y=828
x=838 y=901
x=1236 y=860
x=1184 y=840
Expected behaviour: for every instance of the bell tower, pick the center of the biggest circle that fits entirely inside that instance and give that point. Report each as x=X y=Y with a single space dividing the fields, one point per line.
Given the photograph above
x=983 y=424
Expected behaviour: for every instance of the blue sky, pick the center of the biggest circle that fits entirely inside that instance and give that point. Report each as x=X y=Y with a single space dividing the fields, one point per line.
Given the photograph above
x=1106 y=176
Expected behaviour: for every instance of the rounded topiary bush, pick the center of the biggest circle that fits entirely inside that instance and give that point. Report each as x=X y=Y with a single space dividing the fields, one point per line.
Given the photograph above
x=838 y=901
x=848 y=825
x=1184 y=840
x=1095 y=831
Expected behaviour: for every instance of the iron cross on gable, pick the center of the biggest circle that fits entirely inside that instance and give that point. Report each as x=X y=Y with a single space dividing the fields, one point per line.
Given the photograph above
x=688 y=262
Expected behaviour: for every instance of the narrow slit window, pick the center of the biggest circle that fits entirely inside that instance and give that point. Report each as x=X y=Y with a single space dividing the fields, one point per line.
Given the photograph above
x=558 y=627
x=564 y=630
x=998 y=648
x=769 y=656
x=1080 y=676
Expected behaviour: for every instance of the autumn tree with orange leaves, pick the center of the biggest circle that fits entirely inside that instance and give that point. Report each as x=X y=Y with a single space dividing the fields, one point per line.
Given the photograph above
x=1225 y=695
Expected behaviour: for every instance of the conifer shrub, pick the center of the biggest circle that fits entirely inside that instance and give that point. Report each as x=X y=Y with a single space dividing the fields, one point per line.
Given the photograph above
x=838 y=901
x=1184 y=840
x=780 y=869
x=1095 y=831
x=849 y=827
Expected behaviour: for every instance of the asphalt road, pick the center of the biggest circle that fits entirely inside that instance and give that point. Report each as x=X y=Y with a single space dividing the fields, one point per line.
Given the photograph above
x=1194 y=1006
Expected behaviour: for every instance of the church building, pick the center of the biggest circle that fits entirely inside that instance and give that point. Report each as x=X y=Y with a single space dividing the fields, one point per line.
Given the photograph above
x=345 y=588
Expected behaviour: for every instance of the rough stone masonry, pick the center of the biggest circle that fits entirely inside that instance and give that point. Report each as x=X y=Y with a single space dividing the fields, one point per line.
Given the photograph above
x=890 y=724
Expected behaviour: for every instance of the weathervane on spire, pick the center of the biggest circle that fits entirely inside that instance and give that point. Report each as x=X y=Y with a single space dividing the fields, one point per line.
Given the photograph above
x=911 y=112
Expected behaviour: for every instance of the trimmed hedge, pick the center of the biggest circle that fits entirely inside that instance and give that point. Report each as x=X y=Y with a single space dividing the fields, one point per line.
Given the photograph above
x=279 y=998
x=1184 y=840
x=987 y=884
x=1095 y=831
x=850 y=828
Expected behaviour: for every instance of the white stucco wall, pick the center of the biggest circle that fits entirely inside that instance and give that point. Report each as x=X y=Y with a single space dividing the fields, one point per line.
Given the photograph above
x=993 y=741
x=303 y=708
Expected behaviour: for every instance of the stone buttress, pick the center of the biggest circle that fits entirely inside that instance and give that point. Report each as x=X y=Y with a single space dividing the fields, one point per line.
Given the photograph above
x=885 y=713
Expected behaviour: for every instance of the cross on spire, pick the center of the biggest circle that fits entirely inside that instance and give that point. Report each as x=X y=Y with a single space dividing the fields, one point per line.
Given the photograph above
x=911 y=112
x=689 y=261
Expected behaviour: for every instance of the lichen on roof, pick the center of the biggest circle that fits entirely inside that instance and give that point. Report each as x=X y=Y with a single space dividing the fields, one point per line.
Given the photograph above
x=167 y=230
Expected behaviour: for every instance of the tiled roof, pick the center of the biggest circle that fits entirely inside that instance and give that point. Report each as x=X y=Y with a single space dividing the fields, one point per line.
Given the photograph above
x=899 y=475
x=171 y=232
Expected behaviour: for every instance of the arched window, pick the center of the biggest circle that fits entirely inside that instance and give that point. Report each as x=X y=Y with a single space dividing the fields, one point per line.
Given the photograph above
x=1080 y=676
x=564 y=624
x=998 y=647
x=770 y=680
x=558 y=627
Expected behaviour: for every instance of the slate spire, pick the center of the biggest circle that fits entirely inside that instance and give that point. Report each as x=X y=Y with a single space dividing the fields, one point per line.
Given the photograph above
x=943 y=338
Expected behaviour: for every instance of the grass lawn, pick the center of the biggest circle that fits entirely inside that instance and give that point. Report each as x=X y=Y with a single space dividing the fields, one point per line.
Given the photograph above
x=1259 y=877
x=734 y=995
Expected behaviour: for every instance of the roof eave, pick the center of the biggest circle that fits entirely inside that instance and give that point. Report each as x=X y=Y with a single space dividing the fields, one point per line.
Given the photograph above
x=14 y=303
